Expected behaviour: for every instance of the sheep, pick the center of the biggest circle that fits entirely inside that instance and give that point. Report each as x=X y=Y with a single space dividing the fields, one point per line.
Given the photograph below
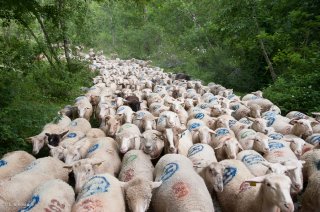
x=313 y=139
x=182 y=189
x=144 y=120
x=301 y=128
x=133 y=102
x=177 y=107
x=260 y=198
x=54 y=139
x=202 y=134
x=138 y=193
x=101 y=192
x=95 y=133
x=252 y=95
x=101 y=157
x=112 y=125
x=152 y=143
x=240 y=111
x=14 y=162
x=183 y=141
x=128 y=137
x=157 y=108
x=265 y=104
x=311 y=196
x=39 y=140
x=77 y=151
x=249 y=139
x=85 y=109
x=38 y=172
x=51 y=195
x=79 y=124
x=136 y=163
x=103 y=110
x=126 y=113
x=271 y=194
x=253 y=161
x=312 y=165
x=234 y=174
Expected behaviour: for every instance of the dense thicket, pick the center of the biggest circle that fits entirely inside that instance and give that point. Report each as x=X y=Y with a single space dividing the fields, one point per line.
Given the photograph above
x=247 y=45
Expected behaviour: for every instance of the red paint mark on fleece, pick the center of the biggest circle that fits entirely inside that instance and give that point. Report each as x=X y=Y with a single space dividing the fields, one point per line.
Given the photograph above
x=91 y=205
x=128 y=175
x=180 y=189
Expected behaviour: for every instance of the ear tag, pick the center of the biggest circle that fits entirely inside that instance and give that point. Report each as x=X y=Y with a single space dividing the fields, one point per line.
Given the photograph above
x=253 y=183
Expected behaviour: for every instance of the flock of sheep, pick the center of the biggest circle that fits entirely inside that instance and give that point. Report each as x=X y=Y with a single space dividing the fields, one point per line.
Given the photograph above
x=169 y=144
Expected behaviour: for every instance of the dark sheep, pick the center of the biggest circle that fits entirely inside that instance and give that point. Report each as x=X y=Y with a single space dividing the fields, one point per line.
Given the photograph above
x=54 y=139
x=133 y=102
x=182 y=76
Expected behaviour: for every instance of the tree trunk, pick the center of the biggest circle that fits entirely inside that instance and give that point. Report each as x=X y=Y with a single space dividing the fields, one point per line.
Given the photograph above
x=263 y=49
x=37 y=41
x=46 y=36
x=63 y=32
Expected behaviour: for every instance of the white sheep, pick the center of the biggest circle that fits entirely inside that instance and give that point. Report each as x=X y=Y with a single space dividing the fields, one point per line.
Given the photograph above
x=79 y=124
x=102 y=157
x=51 y=195
x=182 y=189
x=128 y=137
x=101 y=192
x=152 y=143
x=38 y=172
x=136 y=163
x=126 y=113
x=85 y=109
x=138 y=193
x=14 y=162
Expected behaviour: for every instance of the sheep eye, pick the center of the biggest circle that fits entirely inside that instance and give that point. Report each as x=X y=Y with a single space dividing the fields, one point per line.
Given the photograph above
x=268 y=184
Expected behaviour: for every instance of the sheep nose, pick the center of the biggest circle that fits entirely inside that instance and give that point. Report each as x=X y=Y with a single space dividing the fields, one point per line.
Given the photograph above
x=266 y=150
x=297 y=186
x=172 y=149
x=289 y=206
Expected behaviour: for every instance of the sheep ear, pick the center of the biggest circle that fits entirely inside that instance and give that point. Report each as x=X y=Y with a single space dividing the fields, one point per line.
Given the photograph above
x=63 y=134
x=293 y=121
x=240 y=147
x=156 y=184
x=211 y=131
x=29 y=140
x=251 y=119
x=97 y=162
x=302 y=162
x=51 y=147
x=314 y=123
x=47 y=134
x=220 y=145
x=68 y=166
x=290 y=167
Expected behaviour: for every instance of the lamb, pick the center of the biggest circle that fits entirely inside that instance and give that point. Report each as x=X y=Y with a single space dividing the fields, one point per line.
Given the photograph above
x=128 y=137
x=136 y=163
x=13 y=163
x=138 y=193
x=301 y=128
x=101 y=157
x=42 y=170
x=182 y=189
x=152 y=143
x=51 y=195
x=101 y=192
